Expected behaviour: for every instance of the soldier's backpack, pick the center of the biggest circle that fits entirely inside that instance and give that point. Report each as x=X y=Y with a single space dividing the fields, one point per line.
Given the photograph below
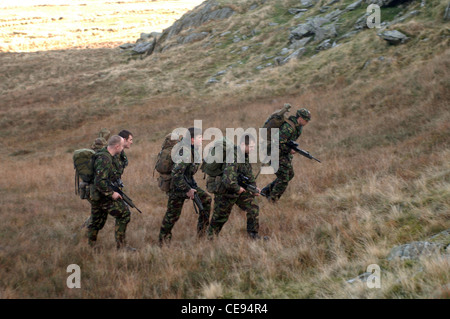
x=214 y=169
x=164 y=163
x=84 y=170
x=275 y=120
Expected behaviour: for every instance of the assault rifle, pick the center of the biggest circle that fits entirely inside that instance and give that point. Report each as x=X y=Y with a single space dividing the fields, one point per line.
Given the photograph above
x=197 y=201
x=116 y=187
x=86 y=222
x=294 y=146
x=244 y=182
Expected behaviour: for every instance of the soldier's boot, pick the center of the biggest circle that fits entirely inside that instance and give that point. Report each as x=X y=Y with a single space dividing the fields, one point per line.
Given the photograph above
x=164 y=240
x=202 y=223
x=201 y=233
x=91 y=235
x=120 y=230
x=266 y=191
x=210 y=233
x=121 y=245
x=256 y=236
x=253 y=235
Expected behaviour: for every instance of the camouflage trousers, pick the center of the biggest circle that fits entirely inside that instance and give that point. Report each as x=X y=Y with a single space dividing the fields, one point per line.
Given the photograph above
x=223 y=205
x=284 y=175
x=99 y=213
x=174 y=207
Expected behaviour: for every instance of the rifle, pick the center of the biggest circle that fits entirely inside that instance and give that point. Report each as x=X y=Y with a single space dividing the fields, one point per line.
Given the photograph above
x=86 y=222
x=116 y=187
x=197 y=201
x=244 y=182
x=294 y=146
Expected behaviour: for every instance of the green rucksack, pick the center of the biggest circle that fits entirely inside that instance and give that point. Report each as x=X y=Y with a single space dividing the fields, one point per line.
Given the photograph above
x=164 y=163
x=214 y=170
x=275 y=120
x=84 y=170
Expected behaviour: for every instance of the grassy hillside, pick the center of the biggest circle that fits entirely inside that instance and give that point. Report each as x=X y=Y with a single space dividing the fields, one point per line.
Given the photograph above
x=379 y=125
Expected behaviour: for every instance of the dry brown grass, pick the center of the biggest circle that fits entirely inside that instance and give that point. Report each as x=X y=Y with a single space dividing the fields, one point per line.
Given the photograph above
x=383 y=181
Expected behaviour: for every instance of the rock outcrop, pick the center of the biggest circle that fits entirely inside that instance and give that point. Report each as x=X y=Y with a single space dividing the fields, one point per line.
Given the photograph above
x=205 y=12
x=321 y=31
x=393 y=36
x=439 y=243
x=314 y=27
x=436 y=245
x=158 y=42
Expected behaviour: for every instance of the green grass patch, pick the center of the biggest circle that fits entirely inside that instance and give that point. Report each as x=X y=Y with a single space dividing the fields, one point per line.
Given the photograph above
x=389 y=13
x=348 y=19
x=281 y=14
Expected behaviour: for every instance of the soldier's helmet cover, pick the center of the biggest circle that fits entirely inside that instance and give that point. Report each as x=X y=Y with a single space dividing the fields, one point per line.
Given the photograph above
x=304 y=113
x=105 y=133
x=99 y=143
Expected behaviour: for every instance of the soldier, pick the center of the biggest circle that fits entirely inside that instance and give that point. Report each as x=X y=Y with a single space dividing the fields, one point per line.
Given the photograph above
x=235 y=194
x=288 y=132
x=122 y=160
x=104 y=200
x=180 y=190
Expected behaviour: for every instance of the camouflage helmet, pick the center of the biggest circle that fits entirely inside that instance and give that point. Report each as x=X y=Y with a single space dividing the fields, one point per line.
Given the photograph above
x=99 y=143
x=304 y=113
x=105 y=133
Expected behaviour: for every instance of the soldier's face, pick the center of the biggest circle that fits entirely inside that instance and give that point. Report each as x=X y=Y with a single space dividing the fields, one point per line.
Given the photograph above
x=197 y=140
x=302 y=121
x=127 y=142
x=248 y=148
x=120 y=146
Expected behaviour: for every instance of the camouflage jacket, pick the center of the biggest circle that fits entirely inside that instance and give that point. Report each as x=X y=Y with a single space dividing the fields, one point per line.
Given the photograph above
x=104 y=173
x=233 y=170
x=120 y=162
x=288 y=133
x=182 y=169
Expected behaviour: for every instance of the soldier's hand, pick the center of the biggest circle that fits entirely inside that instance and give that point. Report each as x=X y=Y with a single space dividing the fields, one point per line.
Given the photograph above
x=116 y=196
x=241 y=190
x=191 y=193
x=259 y=191
x=292 y=152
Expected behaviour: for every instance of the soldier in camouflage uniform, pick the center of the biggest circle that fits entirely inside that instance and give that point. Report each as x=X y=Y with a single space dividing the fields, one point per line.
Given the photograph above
x=122 y=159
x=98 y=144
x=289 y=131
x=180 y=191
x=235 y=194
x=104 y=200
